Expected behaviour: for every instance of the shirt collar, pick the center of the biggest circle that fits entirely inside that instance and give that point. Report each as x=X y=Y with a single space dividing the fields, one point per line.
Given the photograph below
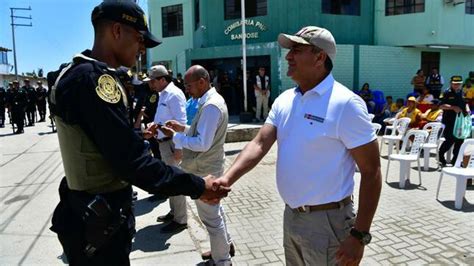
x=322 y=87
x=166 y=89
x=206 y=96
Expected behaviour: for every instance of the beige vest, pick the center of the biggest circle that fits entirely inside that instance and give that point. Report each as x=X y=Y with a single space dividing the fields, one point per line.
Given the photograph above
x=84 y=166
x=211 y=161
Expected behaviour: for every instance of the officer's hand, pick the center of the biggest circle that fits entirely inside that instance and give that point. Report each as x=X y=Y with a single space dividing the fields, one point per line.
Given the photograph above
x=456 y=109
x=350 y=252
x=169 y=132
x=178 y=155
x=175 y=125
x=151 y=131
x=213 y=194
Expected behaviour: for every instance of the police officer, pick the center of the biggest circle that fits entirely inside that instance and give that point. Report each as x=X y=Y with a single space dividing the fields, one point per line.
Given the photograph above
x=452 y=103
x=31 y=102
x=435 y=82
x=102 y=155
x=17 y=102
x=3 y=99
x=41 y=95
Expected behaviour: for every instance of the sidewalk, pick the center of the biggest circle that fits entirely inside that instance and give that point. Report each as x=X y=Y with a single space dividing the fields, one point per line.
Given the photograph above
x=410 y=226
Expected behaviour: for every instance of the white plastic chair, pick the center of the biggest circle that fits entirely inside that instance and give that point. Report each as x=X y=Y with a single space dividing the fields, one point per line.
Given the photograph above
x=406 y=158
x=377 y=128
x=389 y=124
x=460 y=173
x=435 y=130
x=400 y=126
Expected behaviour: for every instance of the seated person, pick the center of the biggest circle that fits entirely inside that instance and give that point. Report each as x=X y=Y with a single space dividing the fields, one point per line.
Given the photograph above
x=367 y=96
x=434 y=114
x=426 y=97
x=411 y=112
x=468 y=90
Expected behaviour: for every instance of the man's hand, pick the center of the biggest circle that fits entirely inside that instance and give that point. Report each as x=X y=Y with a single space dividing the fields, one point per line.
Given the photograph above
x=220 y=182
x=150 y=131
x=178 y=155
x=175 y=125
x=167 y=131
x=456 y=109
x=350 y=252
x=212 y=194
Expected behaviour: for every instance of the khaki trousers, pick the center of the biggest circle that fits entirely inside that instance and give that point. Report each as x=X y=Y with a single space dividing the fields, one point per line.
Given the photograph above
x=313 y=238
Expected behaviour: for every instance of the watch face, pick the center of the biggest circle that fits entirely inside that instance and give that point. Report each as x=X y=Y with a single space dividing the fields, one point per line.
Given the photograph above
x=366 y=239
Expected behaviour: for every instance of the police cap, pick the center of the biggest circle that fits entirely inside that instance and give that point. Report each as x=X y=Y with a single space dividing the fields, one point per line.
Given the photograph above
x=15 y=81
x=456 y=79
x=126 y=12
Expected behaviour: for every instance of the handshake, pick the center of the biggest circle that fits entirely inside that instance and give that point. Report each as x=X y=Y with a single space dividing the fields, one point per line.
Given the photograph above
x=215 y=190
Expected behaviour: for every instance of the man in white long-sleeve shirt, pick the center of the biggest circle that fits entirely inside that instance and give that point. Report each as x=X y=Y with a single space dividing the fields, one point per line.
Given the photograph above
x=171 y=106
x=203 y=152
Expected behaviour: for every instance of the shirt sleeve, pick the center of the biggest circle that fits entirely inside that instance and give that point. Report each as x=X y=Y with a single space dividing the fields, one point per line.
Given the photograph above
x=206 y=130
x=354 y=127
x=177 y=107
x=106 y=124
x=272 y=117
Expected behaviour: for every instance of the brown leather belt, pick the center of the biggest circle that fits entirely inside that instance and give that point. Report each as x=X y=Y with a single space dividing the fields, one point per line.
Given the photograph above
x=324 y=207
x=165 y=139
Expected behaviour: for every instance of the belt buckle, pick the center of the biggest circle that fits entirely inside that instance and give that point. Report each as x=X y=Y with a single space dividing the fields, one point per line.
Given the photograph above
x=303 y=209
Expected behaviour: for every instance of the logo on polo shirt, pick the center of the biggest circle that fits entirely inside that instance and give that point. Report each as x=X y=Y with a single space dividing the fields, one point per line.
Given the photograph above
x=314 y=118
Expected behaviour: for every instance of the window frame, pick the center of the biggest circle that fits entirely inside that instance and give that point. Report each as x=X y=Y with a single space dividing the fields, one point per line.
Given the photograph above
x=165 y=14
x=261 y=9
x=469 y=7
x=328 y=3
x=392 y=8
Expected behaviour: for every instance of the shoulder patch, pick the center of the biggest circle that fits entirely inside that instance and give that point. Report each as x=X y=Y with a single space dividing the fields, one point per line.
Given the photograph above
x=153 y=98
x=107 y=89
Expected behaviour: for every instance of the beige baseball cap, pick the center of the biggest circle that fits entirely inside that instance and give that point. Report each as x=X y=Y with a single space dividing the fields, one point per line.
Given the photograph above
x=155 y=72
x=311 y=35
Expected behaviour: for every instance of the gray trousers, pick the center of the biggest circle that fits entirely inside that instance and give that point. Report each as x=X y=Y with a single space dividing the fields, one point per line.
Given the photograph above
x=313 y=238
x=177 y=203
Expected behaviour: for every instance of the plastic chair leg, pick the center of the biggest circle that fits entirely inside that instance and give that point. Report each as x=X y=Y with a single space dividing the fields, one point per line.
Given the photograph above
x=388 y=166
x=404 y=173
x=426 y=157
x=390 y=147
x=460 y=191
x=439 y=185
x=419 y=170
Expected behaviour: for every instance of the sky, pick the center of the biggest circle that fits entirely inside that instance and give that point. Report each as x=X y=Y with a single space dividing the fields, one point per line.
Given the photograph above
x=61 y=29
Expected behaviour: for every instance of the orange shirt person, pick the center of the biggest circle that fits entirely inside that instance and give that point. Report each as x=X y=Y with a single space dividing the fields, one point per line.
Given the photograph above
x=411 y=112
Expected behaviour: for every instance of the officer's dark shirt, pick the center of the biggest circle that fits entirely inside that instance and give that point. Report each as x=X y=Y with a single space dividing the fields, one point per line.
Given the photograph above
x=41 y=94
x=108 y=126
x=31 y=94
x=3 y=97
x=18 y=99
x=454 y=99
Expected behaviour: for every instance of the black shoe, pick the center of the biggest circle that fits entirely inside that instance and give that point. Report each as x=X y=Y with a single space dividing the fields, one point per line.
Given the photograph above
x=165 y=218
x=173 y=227
x=207 y=255
x=2 y=126
x=442 y=164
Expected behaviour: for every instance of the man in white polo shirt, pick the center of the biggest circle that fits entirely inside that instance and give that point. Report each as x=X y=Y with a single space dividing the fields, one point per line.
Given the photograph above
x=171 y=106
x=322 y=130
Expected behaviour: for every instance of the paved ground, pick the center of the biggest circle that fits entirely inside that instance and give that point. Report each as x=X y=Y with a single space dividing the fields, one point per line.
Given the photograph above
x=410 y=227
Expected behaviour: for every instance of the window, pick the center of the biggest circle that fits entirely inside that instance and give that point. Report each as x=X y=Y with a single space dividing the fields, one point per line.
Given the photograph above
x=196 y=14
x=172 y=18
x=253 y=8
x=341 y=7
x=3 y=58
x=399 y=7
x=469 y=6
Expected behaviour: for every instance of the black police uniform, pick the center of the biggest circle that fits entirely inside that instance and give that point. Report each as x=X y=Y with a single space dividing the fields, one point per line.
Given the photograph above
x=148 y=99
x=17 y=101
x=434 y=85
x=78 y=104
x=41 y=95
x=449 y=118
x=3 y=102
x=31 y=104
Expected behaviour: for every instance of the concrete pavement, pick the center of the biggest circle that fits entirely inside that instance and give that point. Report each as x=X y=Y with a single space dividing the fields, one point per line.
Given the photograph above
x=410 y=227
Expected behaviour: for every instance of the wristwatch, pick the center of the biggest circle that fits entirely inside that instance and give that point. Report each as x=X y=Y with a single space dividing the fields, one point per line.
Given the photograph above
x=363 y=237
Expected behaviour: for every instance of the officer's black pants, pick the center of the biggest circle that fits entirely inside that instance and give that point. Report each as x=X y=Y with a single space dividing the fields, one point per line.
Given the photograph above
x=30 y=114
x=42 y=110
x=450 y=140
x=2 y=115
x=115 y=252
x=18 y=119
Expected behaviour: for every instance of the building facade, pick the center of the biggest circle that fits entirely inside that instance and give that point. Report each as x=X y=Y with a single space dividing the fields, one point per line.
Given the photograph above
x=382 y=42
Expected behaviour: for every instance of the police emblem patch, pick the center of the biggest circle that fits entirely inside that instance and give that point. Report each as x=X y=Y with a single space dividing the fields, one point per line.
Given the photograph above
x=107 y=89
x=153 y=98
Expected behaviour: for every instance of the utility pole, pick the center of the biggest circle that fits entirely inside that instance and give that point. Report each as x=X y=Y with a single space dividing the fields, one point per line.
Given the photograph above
x=13 y=17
